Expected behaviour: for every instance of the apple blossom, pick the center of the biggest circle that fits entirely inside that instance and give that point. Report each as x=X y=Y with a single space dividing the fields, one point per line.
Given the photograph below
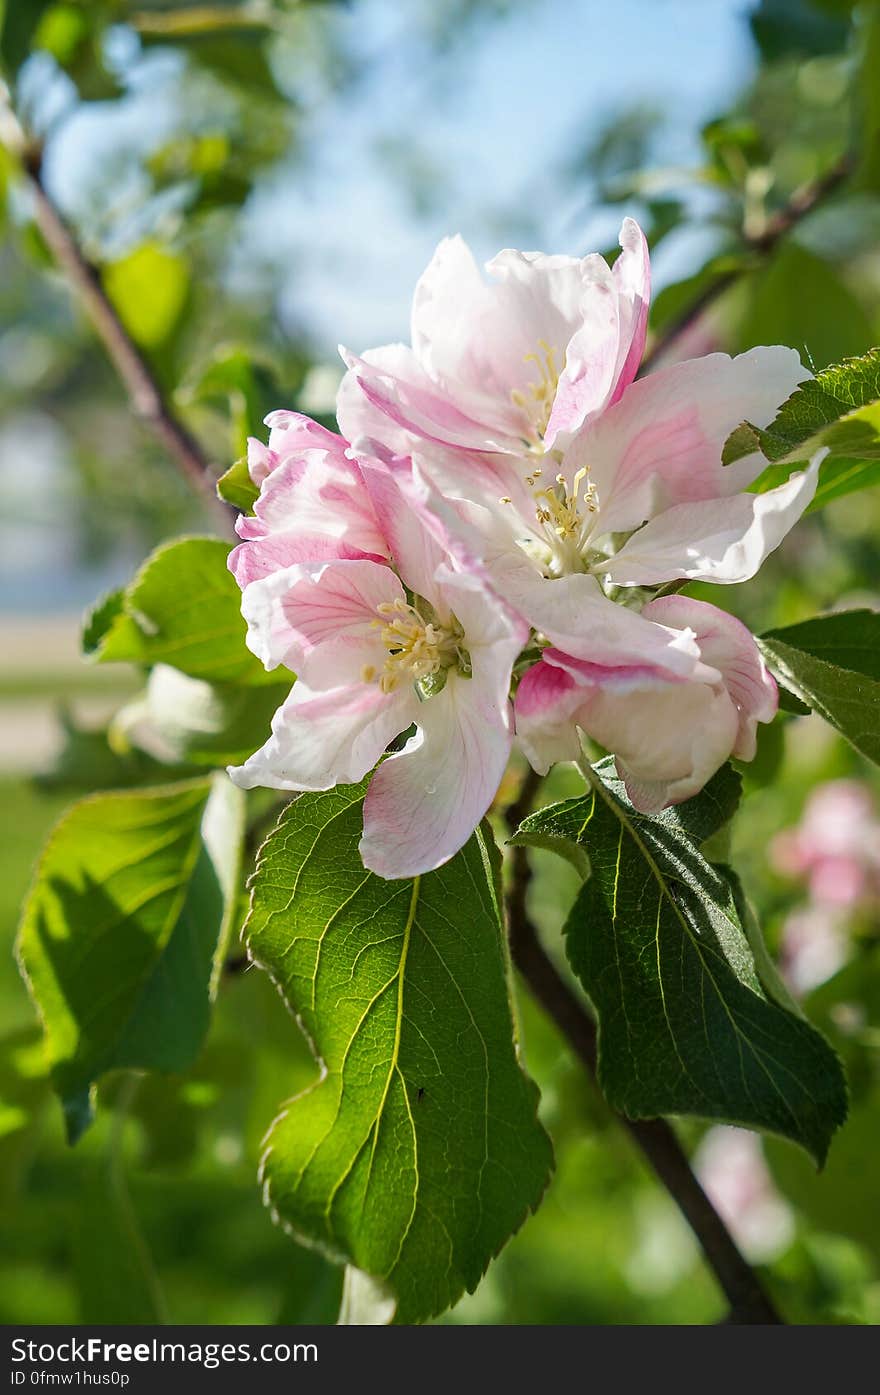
x=377 y=650
x=835 y=850
x=617 y=490
x=670 y=733
x=550 y=340
x=513 y=447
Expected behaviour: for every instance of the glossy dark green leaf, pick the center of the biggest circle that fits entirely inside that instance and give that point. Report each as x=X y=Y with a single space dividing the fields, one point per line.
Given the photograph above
x=832 y=664
x=685 y=1023
x=417 y=1152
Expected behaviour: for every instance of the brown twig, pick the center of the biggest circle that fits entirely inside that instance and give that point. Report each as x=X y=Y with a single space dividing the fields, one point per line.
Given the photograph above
x=802 y=202
x=145 y=393
x=748 y=1301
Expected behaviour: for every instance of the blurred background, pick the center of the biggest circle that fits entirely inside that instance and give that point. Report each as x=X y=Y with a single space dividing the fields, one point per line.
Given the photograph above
x=255 y=182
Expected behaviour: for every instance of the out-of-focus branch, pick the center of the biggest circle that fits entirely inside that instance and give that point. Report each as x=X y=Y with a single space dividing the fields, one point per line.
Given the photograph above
x=739 y=1282
x=146 y=395
x=196 y=20
x=802 y=202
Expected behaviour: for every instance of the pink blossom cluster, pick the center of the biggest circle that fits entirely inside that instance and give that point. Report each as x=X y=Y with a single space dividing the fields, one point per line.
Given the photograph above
x=491 y=552
x=835 y=852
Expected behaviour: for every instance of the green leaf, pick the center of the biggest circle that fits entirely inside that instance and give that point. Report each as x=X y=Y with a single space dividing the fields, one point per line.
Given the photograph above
x=123 y=930
x=783 y=28
x=247 y=384
x=183 y=608
x=149 y=289
x=18 y=23
x=417 y=1152
x=825 y=326
x=237 y=487
x=838 y=409
x=685 y=1024
x=832 y=664
x=99 y=620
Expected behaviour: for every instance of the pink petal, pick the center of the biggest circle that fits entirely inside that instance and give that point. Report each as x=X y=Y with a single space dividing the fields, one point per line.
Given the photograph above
x=660 y=445
x=396 y=387
x=253 y=560
x=261 y=461
x=294 y=432
x=730 y=648
x=324 y=739
x=425 y=802
x=546 y=702
x=313 y=493
x=605 y=350
x=414 y=550
x=632 y=274
x=720 y=540
x=321 y=619
x=579 y=619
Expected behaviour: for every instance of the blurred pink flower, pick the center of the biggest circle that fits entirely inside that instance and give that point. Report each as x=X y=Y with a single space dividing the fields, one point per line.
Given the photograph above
x=835 y=851
x=730 y=1165
x=814 y=946
x=836 y=846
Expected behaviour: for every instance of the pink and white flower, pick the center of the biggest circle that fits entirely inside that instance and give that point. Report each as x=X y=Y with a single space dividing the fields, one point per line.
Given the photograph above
x=610 y=489
x=669 y=733
x=510 y=452
x=731 y=1167
x=531 y=355
x=379 y=649
x=638 y=497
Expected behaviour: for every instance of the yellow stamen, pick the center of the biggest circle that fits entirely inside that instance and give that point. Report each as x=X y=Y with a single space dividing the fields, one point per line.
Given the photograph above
x=560 y=507
x=417 y=648
x=537 y=401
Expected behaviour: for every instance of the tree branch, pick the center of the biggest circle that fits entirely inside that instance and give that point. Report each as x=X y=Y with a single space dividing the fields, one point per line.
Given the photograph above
x=802 y=202
x=748 y=1301
x=146 y=395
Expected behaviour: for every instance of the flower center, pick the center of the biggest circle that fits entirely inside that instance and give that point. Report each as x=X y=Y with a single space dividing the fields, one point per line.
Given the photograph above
x=559 y=508
x=537 y=400
x=565 y=517
x=420 y=651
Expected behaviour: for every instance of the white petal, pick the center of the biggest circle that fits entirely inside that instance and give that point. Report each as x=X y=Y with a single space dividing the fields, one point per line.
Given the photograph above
x=720 y=540
x=320 y=619
x=668 y=742
x=577 y=617
x=324 y=739
x=729 y=647
x=661 y=444
x=424 y=803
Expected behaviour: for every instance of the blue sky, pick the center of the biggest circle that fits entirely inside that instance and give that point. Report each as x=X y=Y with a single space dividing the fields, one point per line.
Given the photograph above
x=514 y=104
x=511 y=109
x=527 y=92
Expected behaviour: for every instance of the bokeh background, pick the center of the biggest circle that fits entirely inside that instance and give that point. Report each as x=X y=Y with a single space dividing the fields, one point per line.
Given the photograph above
x=257 y=181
